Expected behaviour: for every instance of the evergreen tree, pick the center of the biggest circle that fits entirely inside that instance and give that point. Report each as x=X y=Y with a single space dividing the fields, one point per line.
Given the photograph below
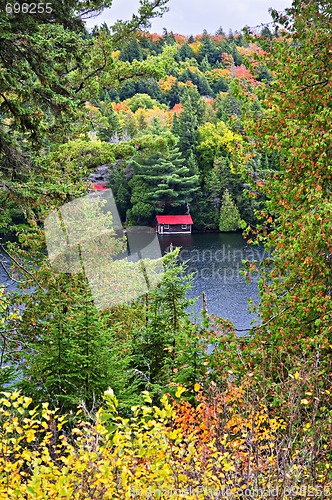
x=220 y=85
x=220 y=32
x=161 y=348
x=156 y=347
x=131 y=52
x=66 y=360
x=205 y=65
x=118 y=182
x=185 y=52
x=208 y=50
x=189 y=120
x=127 y=90
x=168 y=181
x=110 y=124
x=66 y=343
x=296 y=291
x=173 y=95
x=142 y=209
x=266 y=33
x=192 y=164
x=228 y=107
x=230 y=219
x=49 y=68
x=168 y=37
x=149 y=86
x=175 y=125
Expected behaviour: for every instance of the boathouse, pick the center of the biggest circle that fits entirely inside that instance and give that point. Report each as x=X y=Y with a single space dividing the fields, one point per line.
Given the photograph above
x=100 y=186
x=174 y=224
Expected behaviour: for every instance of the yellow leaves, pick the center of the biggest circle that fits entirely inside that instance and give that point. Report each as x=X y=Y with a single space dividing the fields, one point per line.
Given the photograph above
x=228 y=466
x=180 y=390
x=214 y=139
x=116 y=54
x=166 y=84
x=149 y=453
x=147 y=397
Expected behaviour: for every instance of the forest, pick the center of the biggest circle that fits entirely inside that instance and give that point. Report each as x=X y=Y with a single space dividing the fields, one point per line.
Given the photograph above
x=123 y=397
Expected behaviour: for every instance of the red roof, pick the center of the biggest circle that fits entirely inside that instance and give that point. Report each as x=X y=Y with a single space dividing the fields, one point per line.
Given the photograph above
x=100 y=187
x=174 y=219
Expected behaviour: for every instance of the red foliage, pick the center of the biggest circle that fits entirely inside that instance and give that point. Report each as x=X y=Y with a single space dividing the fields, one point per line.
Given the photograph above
x=243 y=72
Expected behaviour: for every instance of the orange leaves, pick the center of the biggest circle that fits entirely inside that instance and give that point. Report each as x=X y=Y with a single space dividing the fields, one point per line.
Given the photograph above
x=243 y=72
x=118 y=106
x=227 y=439
x=227 y=60
x=177 y=109
x=167 y=83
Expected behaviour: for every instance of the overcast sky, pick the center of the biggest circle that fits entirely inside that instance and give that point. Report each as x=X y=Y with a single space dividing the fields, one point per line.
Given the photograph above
x=190 y=17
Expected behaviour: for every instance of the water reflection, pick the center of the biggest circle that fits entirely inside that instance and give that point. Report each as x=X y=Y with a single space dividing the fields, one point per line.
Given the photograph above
x=216 y=261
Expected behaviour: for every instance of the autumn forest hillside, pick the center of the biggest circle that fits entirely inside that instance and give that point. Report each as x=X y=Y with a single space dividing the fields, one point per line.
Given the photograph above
x=197 y=109
x=110 y=389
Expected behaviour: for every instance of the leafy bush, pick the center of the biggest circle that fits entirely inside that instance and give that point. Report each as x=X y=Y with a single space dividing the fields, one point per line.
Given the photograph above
x=225 y=445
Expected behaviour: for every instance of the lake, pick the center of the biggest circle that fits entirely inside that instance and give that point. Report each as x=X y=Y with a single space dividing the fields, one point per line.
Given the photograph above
x=216 y=259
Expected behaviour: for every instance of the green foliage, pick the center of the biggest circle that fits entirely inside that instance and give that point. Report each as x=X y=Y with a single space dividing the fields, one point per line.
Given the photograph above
x=160 y=346
x=217 y=140
x=189 y=120
x=185 y=52
x=264 y=414
x=141 y=101
x=296 y=301
x=131 y=51
x=208 y=50
x=165 y=181
x=230 y=219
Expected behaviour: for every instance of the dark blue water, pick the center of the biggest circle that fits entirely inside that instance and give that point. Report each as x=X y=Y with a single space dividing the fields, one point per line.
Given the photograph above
x=216 y=260
x=6 y=273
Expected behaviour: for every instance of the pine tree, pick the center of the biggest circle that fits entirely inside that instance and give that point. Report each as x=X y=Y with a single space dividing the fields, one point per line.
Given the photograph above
x=160 y=352
x=297 y=290
x=185 y=52
x=208 y=49
x=230 y=219
x=192 y=164
x=189 y=120
x=64 y=336
x=110 y=124
x=173 y=96
x=168 y=180
x=131 y=52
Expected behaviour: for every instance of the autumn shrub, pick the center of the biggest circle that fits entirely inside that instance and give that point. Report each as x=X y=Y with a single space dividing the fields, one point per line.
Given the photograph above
x=230 y=445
